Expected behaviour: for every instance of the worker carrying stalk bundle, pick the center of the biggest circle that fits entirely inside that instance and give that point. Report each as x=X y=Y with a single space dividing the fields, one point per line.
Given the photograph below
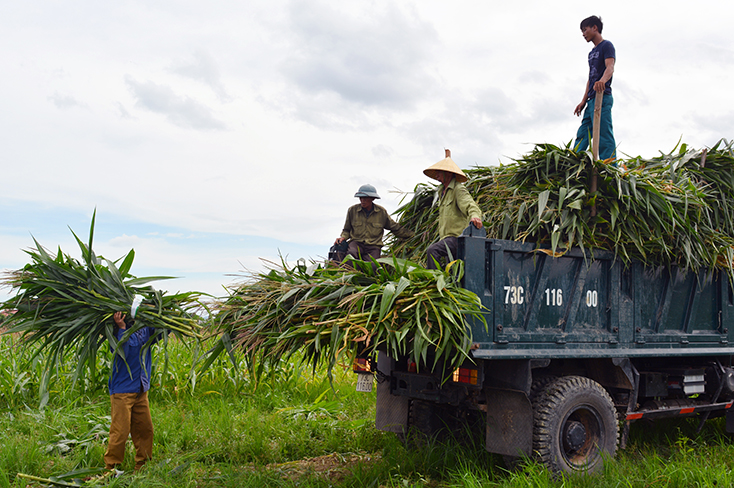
x=129 y=384
x=364 y=227
x=456 y=209
x=601 y=68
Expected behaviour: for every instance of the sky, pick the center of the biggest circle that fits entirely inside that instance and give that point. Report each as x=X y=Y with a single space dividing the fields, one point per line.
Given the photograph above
x=211 y=136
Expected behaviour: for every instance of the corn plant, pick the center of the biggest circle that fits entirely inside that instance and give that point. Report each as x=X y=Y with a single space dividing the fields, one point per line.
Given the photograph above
x=65 y=305
x=16 y=379
x=328 y=313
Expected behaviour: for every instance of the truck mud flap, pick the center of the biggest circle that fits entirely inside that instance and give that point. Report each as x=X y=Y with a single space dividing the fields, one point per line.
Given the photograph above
x=391 y=411
x=509 y=422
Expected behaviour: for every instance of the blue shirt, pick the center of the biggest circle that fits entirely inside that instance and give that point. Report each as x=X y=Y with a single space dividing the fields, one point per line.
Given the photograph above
x=597 y=65
x=137 y=380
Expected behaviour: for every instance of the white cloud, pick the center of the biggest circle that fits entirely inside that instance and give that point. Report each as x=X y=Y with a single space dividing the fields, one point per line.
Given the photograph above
x=344 y=61
x=382 y=151
x=182 y=111
x=202 y=67
x=123 y=111
x=66 y=101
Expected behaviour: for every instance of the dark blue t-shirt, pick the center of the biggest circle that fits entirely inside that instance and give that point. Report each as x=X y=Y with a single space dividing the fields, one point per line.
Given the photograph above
x=597 y=57
x=137 y=380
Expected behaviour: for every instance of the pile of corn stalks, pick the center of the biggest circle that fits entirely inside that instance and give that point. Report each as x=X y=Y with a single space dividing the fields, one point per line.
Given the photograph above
x=674 y=209
x=330 y=313
x=64 y=307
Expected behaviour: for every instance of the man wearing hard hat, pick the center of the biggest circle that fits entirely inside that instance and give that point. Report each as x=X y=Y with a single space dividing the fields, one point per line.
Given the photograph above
x=365 y=226
x=456 y=209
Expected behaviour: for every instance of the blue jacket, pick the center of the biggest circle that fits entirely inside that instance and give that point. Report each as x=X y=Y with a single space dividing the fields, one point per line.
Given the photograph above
x=137 y=380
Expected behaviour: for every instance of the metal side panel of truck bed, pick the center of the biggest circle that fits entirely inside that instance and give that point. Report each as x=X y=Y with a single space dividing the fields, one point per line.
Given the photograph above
x=591 y=305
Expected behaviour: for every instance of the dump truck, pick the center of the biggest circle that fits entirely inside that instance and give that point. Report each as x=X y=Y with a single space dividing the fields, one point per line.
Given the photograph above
x=575 y=347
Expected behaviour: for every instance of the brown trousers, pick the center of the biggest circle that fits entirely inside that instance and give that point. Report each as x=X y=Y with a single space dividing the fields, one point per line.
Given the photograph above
x=363 y=251
x=130 y=416
x=440 y=251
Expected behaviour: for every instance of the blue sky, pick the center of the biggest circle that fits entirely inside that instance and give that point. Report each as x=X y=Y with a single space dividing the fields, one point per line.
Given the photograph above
x=209 y=135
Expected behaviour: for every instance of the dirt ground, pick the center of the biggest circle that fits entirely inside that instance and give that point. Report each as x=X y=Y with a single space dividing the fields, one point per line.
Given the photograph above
x=335 y=466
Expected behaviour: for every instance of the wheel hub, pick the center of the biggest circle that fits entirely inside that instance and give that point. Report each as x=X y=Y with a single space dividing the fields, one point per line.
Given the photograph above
x=575 y=435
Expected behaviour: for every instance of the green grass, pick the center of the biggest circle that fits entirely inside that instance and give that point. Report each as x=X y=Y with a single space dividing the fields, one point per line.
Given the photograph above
x=225 y=433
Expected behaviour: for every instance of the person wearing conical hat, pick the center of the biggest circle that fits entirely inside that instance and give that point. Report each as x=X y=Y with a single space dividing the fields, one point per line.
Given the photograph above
x=365 y=225
x=456 y=210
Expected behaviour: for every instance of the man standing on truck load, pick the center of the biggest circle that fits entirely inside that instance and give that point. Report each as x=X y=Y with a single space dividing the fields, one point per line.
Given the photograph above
x=456 y=209
x=365 y=226
x=601 y=68
x=129 y=384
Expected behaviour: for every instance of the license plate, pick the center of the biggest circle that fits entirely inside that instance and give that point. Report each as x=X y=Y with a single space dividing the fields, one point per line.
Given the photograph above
x=364 y=383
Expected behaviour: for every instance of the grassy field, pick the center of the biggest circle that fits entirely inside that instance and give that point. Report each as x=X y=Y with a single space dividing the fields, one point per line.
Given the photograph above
x=219 y=430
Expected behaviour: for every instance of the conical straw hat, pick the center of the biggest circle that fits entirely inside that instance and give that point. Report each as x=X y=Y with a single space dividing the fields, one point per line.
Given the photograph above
x=446 y=164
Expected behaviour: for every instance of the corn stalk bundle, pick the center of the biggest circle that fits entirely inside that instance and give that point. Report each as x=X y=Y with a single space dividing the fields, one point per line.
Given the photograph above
x=64 y=306
x=673 y=209
x=332 y=313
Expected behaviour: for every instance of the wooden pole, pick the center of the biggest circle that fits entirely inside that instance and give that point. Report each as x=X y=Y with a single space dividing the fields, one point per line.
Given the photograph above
x=596 y=128
x=597 y=123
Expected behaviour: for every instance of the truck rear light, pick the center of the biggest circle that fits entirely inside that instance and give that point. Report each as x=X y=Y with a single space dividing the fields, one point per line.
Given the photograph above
x=694 y=382
x=469 y=376
x=361 y=365
x=690 y=381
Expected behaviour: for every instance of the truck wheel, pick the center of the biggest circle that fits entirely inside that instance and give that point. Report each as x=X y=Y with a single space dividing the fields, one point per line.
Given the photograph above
x=574 y=425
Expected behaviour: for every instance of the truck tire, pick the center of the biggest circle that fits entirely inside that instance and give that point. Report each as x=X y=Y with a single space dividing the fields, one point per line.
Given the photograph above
x=574 y=425
x=539 y=385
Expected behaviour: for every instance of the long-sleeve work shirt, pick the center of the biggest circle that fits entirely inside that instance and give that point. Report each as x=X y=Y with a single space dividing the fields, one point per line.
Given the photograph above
x=369 y=228
x=137 y=380
x=456 y=208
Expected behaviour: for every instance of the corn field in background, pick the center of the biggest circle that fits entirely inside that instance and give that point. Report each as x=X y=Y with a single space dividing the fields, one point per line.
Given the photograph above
x=673 y=209
x=172 y=378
